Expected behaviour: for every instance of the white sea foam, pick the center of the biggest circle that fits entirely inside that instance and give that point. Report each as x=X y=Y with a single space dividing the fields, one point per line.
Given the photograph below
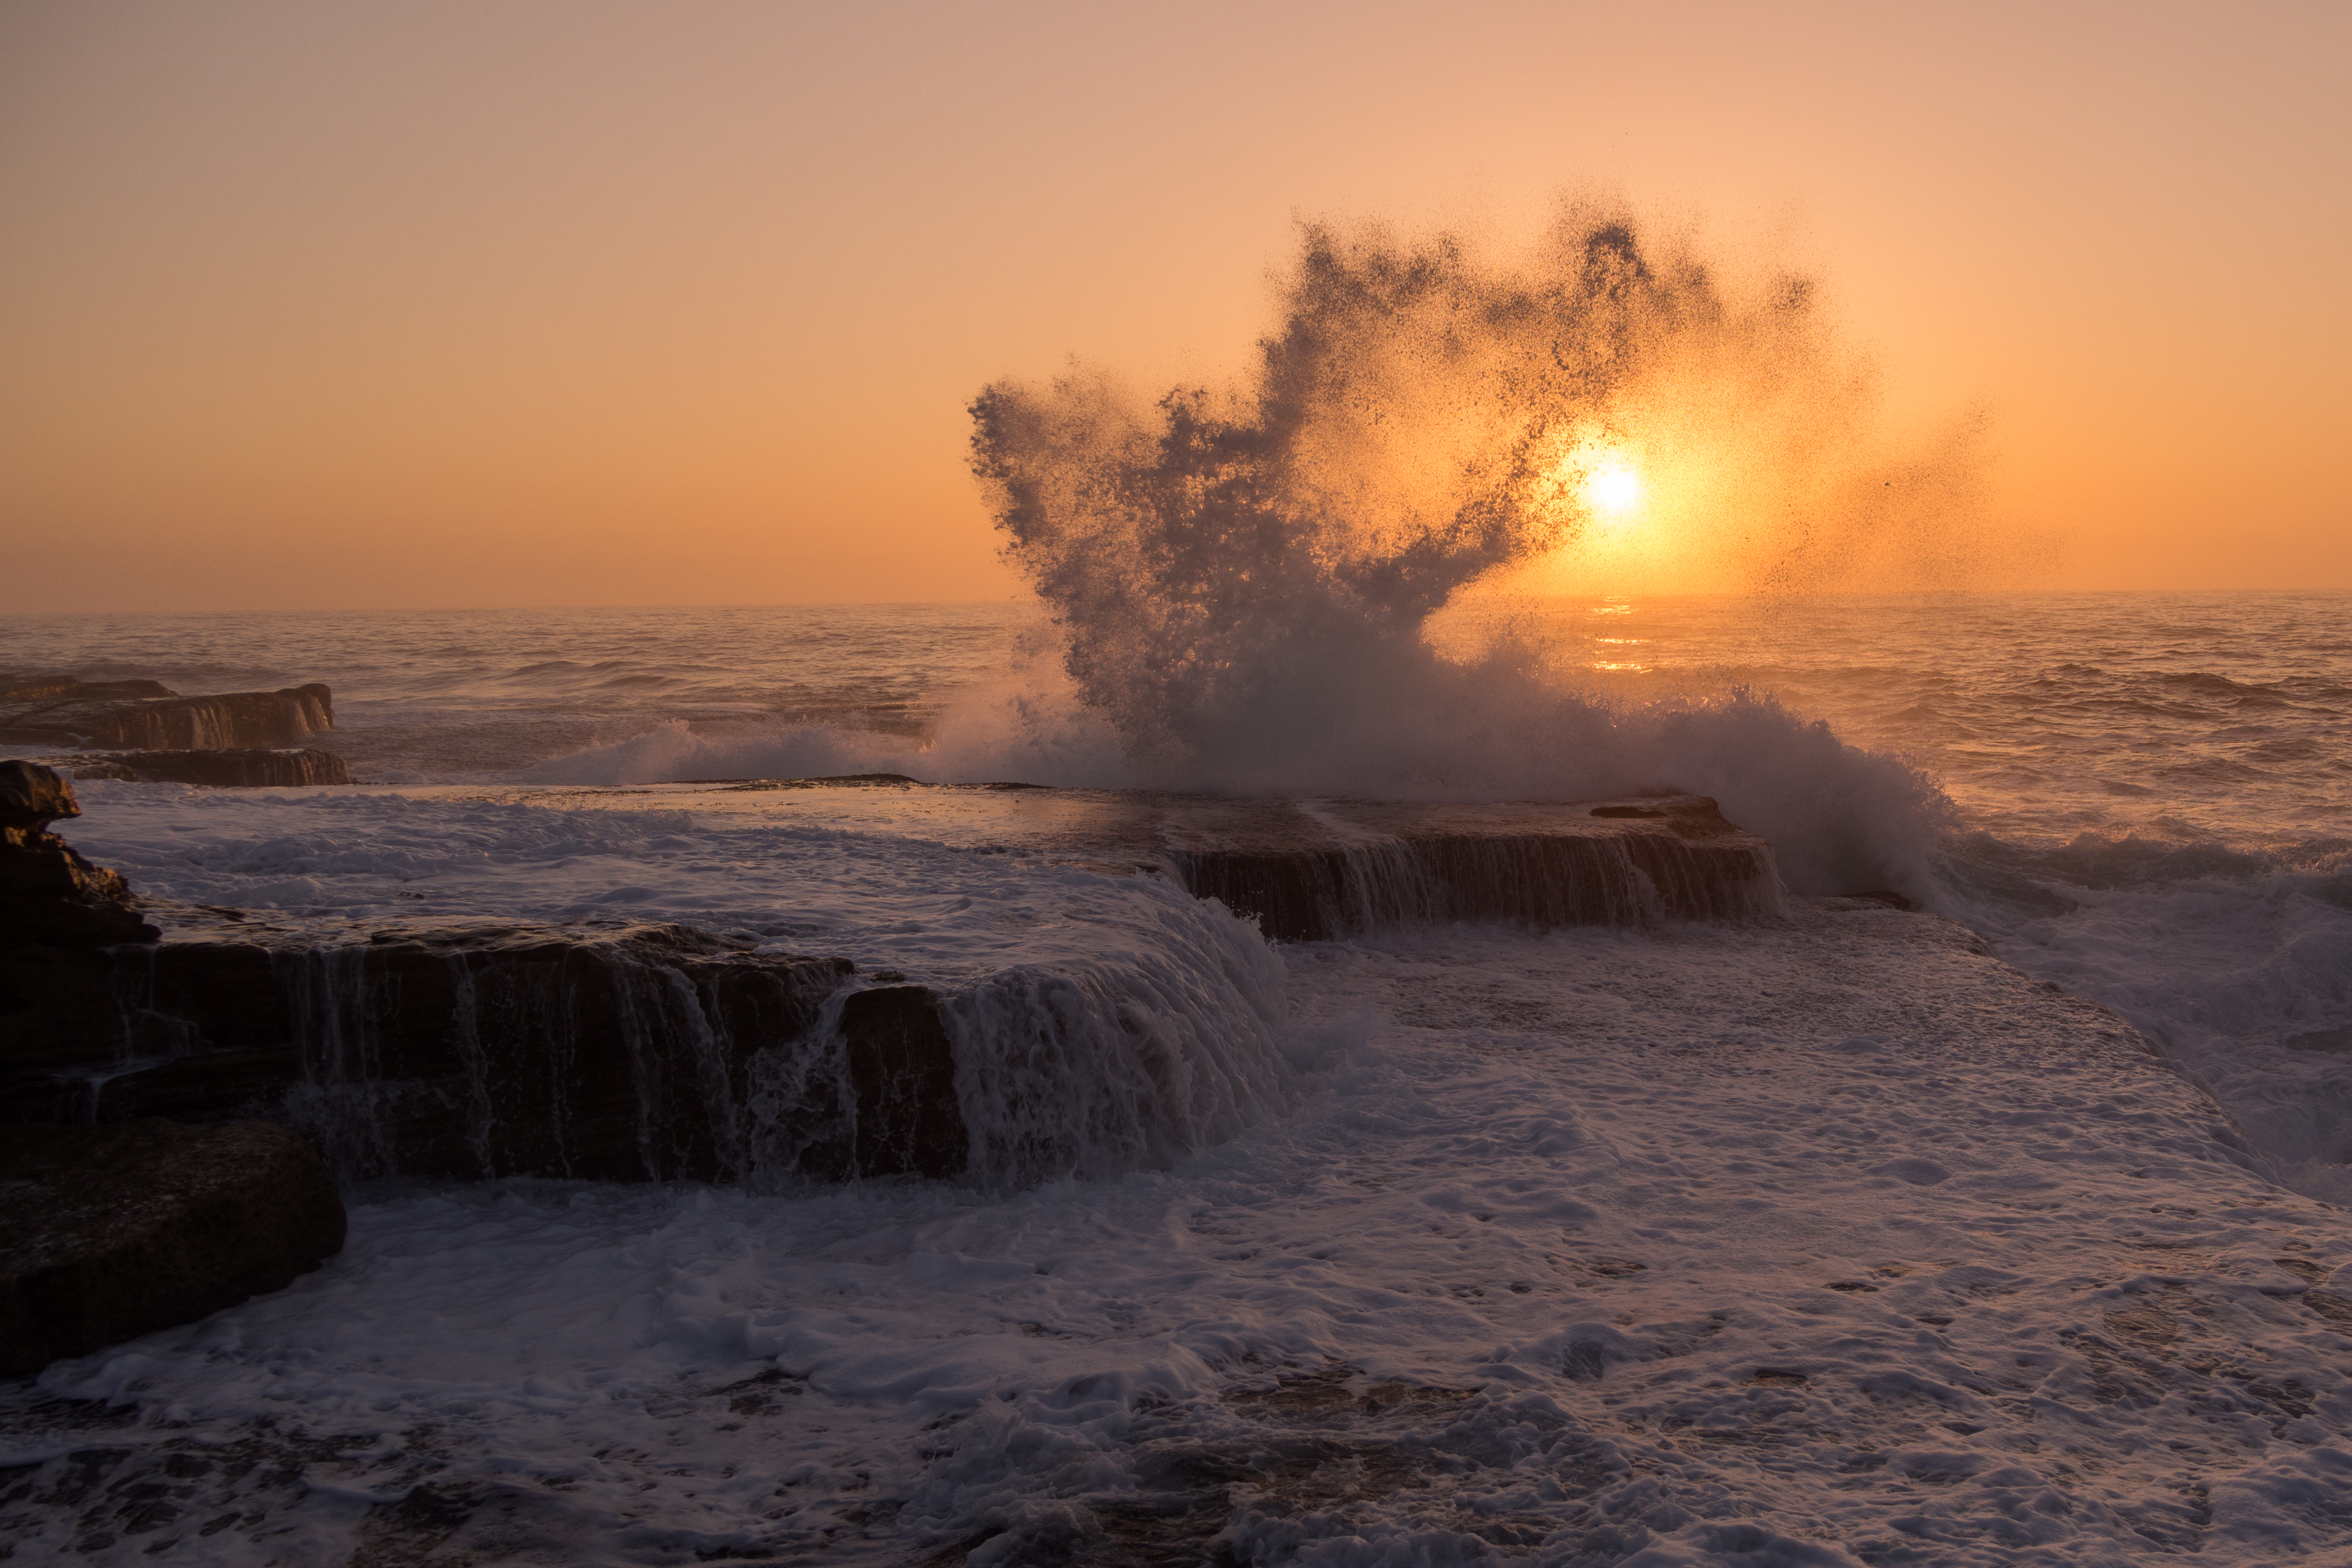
x=2242 y=975
x=1810 y=1244
x=2165 y=831
x=1840 y=819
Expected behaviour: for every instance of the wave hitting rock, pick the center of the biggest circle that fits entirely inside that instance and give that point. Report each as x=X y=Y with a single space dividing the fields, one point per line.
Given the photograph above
x=654 y=1051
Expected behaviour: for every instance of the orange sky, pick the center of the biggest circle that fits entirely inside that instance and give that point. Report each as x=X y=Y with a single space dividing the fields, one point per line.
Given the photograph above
x=328 y=305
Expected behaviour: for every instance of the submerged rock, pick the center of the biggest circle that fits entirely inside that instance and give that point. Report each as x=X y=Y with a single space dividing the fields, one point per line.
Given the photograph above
x=1315 y=869
x=249 y=768
x=48 y=894
x=107 y=1233
x=60 y=712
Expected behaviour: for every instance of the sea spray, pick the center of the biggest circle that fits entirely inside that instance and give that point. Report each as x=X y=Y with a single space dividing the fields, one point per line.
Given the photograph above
x=1241 y=583
x=1159 y=1048
x=1242 y=580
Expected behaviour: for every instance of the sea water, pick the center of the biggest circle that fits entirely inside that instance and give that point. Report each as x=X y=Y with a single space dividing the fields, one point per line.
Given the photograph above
x=1437 y=1276
x=2146 y=798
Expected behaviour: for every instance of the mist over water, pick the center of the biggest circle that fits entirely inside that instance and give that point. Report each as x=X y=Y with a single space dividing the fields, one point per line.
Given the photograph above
x=1243 y=579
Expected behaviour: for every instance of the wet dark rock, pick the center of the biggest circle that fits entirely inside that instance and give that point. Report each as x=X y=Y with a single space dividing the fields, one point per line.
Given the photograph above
x=101 y=717
x=35 y=688
x=31 y=798
x=48 y=893
x=656 y=1052
x=107 y=1233
x=618 y=1053
x=902 y=1075
x=247 y=768
x=1625 y=864
x=628 y=1052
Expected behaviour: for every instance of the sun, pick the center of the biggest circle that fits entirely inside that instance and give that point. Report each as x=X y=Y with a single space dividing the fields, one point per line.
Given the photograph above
x=1613 y=491
x=1590 y=474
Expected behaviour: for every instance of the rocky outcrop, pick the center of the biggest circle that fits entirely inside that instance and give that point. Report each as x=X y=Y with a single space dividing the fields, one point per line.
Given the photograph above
x=1312 y=870
x=901 y=1084
x=630 y=1053
x=35 y=688
x=50 y=895
x=637 y=1052
x=1349 y=867
x=242 y=769
x=110 y=1232
x=656 y=1052
x=85 y=716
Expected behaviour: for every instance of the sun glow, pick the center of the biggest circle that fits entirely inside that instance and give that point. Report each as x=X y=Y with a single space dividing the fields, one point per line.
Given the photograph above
x=1613 y=491
x=1594 y=476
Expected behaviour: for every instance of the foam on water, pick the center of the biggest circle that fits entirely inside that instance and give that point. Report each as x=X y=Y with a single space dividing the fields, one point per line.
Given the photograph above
x=459 y=694
x=1714 y=1245
x=1720 y=1246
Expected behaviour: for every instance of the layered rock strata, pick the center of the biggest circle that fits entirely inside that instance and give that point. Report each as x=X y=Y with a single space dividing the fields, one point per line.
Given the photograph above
x=643 y=1052
x=1311 y=869
x=656 y=1052
x=1344 y=867
x=63 y=713
x=635 y=1053
x=245 y=768
x=110 y=1232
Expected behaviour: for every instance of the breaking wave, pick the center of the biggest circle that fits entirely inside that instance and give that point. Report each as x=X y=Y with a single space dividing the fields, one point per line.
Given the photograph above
x=1240 y=583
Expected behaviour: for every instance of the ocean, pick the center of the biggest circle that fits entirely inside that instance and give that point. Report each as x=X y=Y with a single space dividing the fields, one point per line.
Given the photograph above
x=1456 y=1244
x=2144 y=798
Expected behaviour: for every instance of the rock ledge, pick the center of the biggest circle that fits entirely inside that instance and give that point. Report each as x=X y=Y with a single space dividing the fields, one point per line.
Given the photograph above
x=107 y=1233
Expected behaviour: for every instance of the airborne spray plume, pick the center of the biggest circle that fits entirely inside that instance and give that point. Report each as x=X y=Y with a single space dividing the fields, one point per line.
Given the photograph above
x=1243 y=579
x=1399 y=443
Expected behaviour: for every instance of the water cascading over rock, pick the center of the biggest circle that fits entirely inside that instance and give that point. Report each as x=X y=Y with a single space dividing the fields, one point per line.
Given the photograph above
x=633 y=1053
x=643 y=1051
x=246 y=767
x=1311 y=871
x=141 y=715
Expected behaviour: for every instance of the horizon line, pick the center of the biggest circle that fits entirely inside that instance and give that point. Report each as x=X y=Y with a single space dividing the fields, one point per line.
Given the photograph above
x=1758 y=594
